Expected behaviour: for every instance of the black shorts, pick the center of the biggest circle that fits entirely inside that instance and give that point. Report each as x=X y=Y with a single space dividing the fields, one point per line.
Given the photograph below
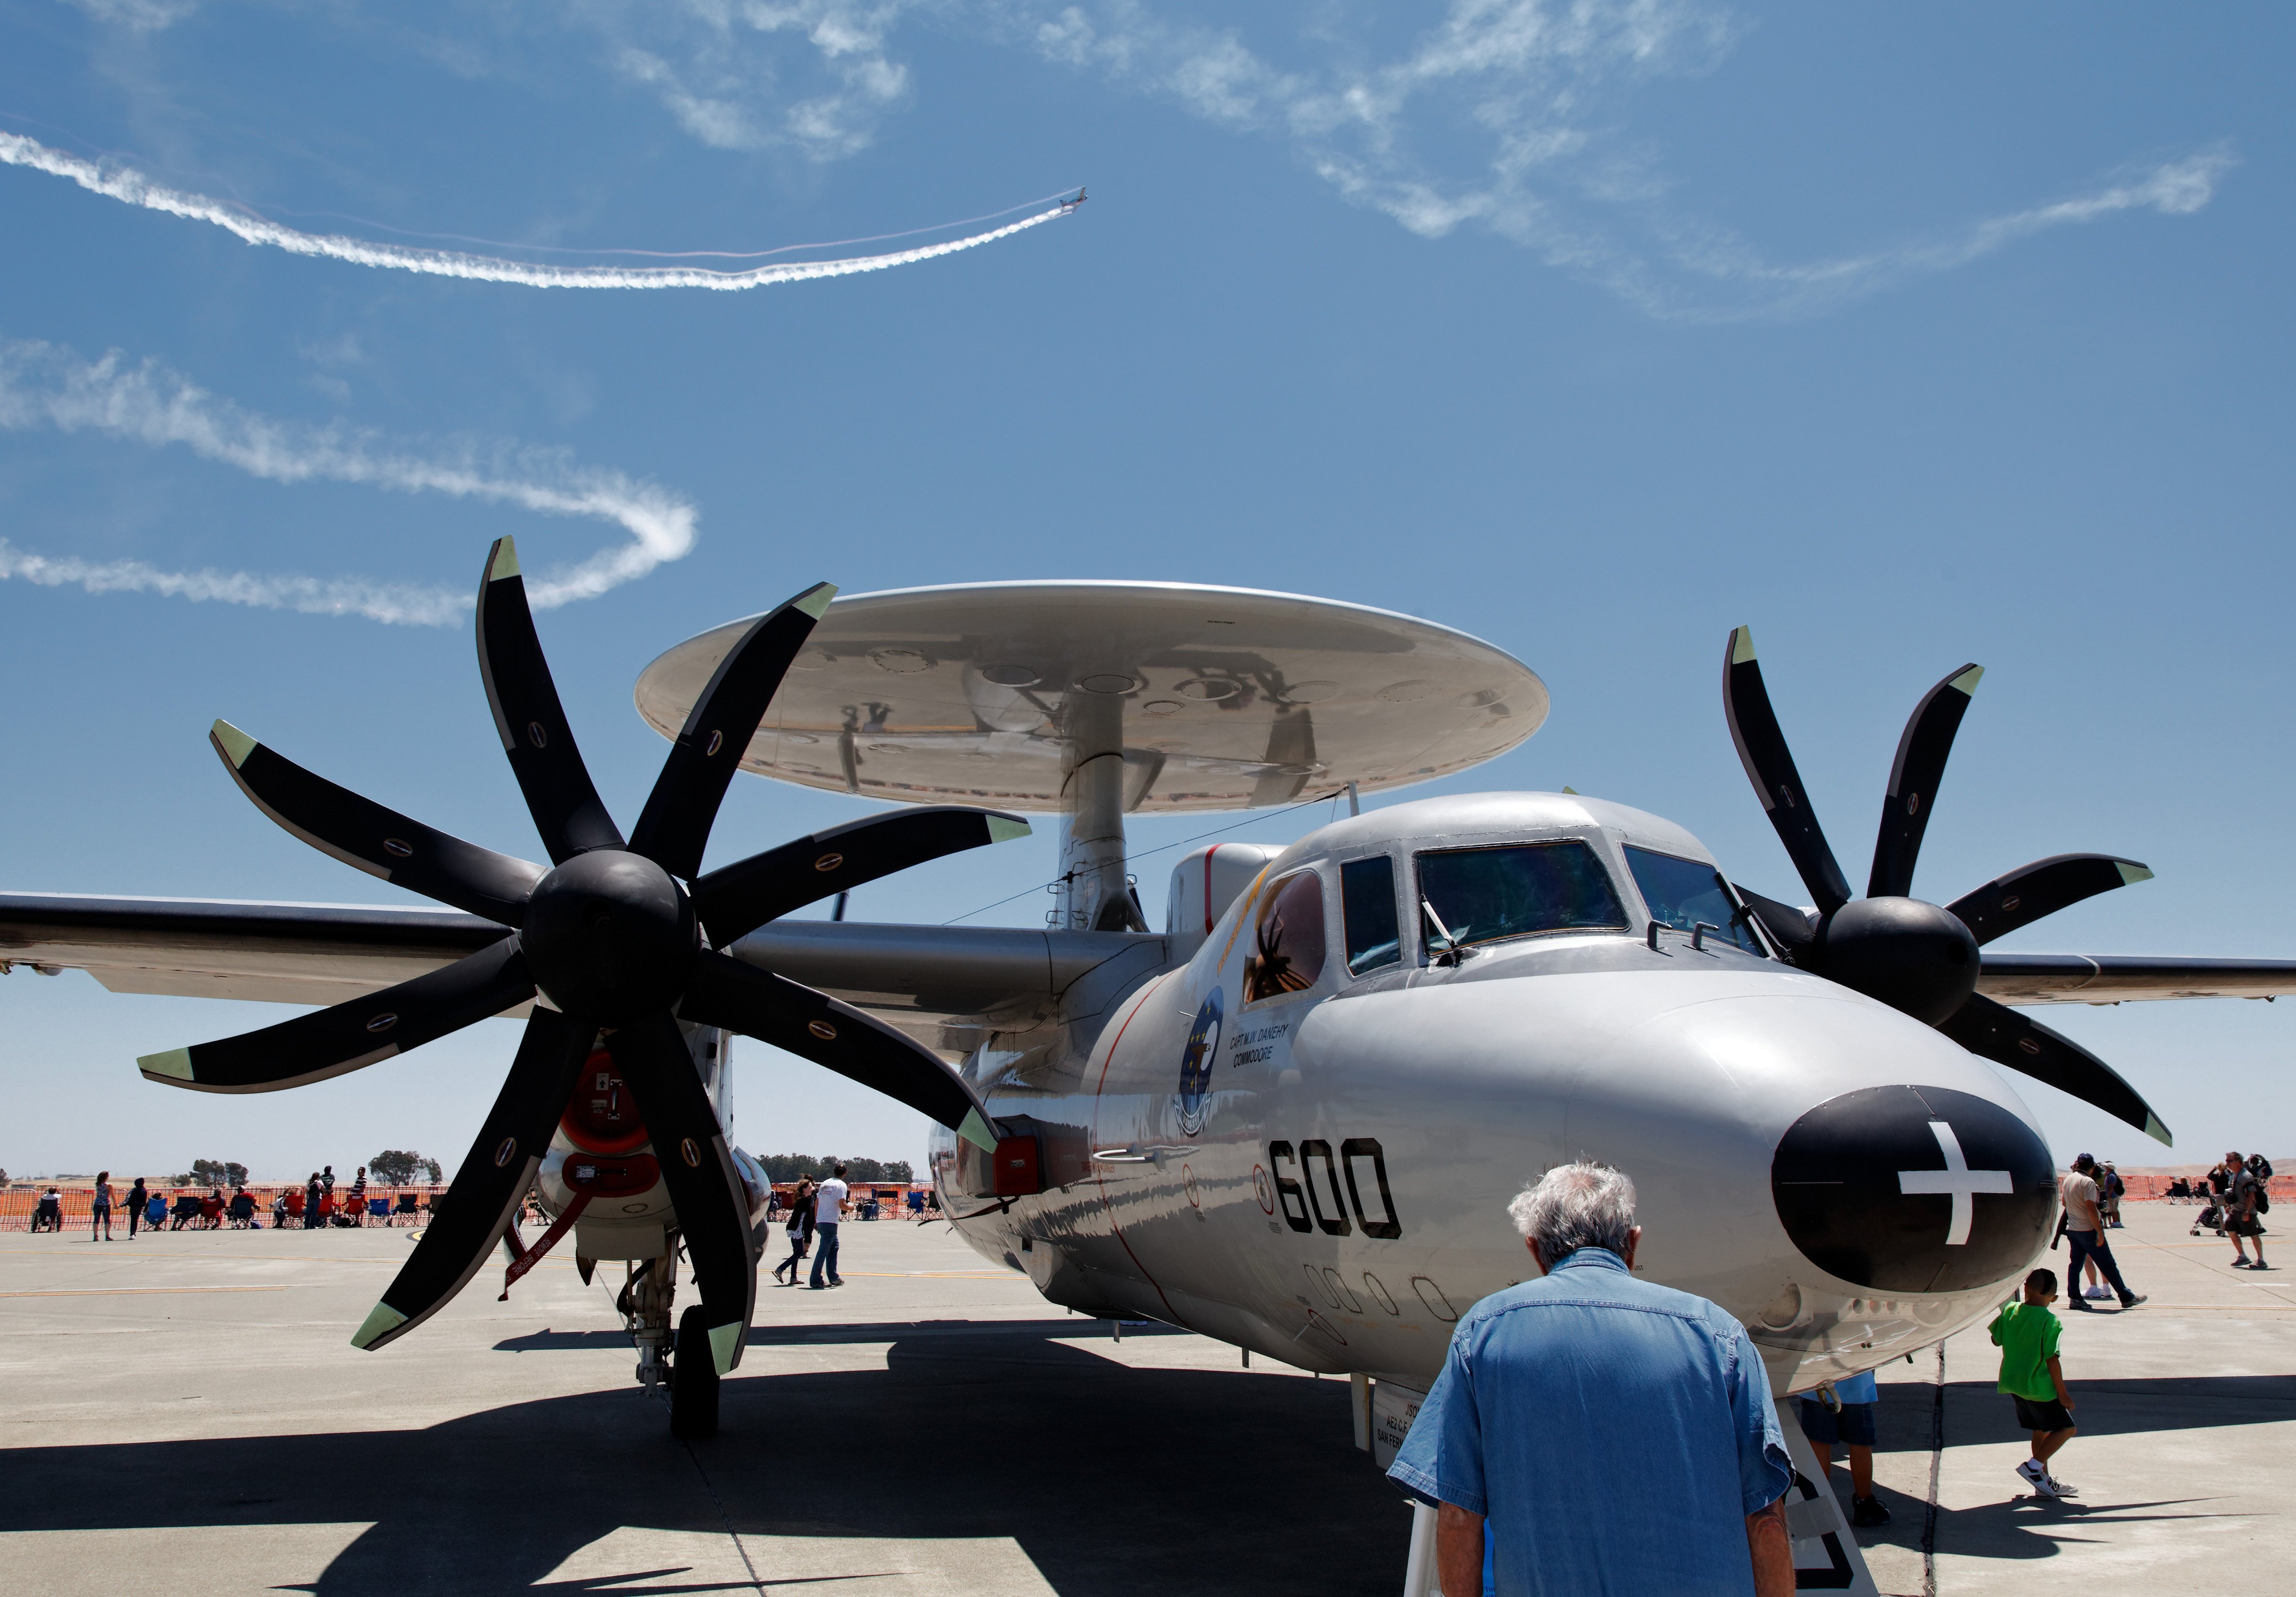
x=2041 y=1413
x=2249 y=1227
x=1853 y=1427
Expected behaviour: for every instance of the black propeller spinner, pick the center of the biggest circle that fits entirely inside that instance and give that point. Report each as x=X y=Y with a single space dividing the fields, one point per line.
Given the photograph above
x=1913 y=955
x=614 y=945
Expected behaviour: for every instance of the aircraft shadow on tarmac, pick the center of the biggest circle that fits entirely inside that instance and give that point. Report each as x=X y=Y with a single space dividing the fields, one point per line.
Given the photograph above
x=1113 y=1480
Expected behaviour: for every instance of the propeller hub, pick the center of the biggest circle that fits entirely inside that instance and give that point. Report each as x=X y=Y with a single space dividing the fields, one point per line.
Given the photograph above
x=1911 y=956
x=610 y=936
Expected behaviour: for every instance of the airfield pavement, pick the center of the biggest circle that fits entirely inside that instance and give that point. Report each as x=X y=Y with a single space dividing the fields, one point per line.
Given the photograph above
x=185 y=1415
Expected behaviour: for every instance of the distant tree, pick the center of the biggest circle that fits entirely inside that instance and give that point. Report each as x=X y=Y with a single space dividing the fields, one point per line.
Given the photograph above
x=400 y=1166
x=437 y=1175
x=802 y=1167
x=214 y=1173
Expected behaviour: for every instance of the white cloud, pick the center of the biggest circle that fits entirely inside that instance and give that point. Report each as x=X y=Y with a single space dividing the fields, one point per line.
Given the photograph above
x=140 y=16
x=1509 y=115
x=1514 y=117
x=809 y=75
x=2172 y=188
x=719 y=123
x=46 y=385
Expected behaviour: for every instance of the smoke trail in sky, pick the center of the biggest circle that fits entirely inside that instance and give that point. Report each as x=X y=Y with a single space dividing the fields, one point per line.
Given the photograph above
x=47 y=385
x=344 y=596
x=131 y=186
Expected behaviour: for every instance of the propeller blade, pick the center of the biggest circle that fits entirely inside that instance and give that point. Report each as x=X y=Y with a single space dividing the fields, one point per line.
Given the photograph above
x=1914 y=782
x=535 y=732
x=381 y=842
x=736 y=899
x=674 y=827
x=491 y=1180
x=1770 y=767
x=698 y=1168
x=2043 y=888
x=740 y=997
x=1996 y=1032
x=355 y=1033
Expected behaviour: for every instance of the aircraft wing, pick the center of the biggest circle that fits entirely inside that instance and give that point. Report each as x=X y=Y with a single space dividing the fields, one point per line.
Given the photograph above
x=2022 y=979
x=949 y=986
x=221 y=948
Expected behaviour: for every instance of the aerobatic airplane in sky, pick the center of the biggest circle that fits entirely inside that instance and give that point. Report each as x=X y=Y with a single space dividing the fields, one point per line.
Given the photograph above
x=1291 y=1118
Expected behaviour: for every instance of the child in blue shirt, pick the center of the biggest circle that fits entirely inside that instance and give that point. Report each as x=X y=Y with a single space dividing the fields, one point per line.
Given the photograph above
x=1849 y=1419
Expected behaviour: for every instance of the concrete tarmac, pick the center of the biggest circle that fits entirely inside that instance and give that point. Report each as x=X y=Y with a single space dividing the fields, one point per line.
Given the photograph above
x=186 y=1415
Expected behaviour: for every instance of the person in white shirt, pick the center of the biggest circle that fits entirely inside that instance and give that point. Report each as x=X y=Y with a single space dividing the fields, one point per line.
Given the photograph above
x=2085 y=1229
x=829 y=1206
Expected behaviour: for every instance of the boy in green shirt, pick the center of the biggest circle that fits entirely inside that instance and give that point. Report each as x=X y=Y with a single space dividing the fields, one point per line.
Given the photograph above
x=2026 y=1333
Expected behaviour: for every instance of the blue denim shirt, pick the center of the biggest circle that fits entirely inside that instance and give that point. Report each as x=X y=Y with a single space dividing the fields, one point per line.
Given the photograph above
x=1615 y=1435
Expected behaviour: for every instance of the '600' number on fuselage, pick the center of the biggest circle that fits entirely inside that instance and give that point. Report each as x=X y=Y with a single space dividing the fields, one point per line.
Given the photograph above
x=1329 y=1187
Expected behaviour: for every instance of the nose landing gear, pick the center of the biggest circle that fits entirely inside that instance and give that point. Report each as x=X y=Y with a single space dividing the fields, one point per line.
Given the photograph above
x=644 y=1305
x=683 y=1364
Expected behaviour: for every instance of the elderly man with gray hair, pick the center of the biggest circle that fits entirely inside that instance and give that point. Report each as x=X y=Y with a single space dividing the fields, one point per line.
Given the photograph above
x=1593 y=1433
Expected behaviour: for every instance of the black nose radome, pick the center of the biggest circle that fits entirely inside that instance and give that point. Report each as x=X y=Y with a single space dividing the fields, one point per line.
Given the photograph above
x=1915 y=1188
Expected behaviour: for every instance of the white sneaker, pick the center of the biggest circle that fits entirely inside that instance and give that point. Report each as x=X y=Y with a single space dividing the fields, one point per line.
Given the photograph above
x=2049 y=1485
x=2032 y=1472
x=2097 y=1292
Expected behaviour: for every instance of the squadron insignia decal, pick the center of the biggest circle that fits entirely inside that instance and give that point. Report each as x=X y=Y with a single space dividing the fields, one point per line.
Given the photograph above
x=1196 y=1064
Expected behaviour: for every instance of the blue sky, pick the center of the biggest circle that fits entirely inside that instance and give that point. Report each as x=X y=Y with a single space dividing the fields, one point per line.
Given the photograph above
x=1597 y=330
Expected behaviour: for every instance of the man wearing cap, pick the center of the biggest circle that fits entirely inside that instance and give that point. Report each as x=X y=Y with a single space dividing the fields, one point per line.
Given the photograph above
x=2084 y=1229
x=2240 y=1190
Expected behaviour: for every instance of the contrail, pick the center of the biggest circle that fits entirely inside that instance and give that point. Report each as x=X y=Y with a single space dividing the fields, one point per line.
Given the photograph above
x=47 y=385
x=125 y=184
x=346 y=596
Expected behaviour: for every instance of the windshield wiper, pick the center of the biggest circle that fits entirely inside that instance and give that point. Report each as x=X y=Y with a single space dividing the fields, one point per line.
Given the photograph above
x=1453 y=951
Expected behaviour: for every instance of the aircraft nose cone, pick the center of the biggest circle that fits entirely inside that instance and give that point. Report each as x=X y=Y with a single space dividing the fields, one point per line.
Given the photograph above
x=1906 y=1189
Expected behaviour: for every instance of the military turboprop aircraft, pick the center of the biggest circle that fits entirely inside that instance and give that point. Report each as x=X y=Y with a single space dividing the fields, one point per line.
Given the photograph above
x=1291 y=1119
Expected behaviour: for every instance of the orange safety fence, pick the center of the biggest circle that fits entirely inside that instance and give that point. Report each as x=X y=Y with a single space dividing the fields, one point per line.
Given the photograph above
x=20 y=1204
x=2146 y=1188
x=892 y=1198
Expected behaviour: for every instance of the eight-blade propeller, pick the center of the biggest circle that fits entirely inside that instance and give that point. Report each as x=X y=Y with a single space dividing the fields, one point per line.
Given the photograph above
x=1916 y=956
x=610 y=944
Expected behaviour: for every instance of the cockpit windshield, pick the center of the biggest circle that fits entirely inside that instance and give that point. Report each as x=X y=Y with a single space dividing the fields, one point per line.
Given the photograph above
x=1681 y=893
x=1482 y=895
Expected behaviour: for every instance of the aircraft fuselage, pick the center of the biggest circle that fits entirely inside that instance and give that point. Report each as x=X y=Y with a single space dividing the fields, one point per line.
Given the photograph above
x=1308 y=1150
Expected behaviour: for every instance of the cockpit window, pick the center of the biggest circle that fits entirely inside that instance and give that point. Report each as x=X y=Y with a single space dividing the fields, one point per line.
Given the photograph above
x=1482 y=895
x=1287 y=950
x=1681 y=893
x=1367 y=892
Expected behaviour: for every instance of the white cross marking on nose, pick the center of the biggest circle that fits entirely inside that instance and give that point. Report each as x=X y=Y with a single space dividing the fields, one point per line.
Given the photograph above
x=1956 y=1180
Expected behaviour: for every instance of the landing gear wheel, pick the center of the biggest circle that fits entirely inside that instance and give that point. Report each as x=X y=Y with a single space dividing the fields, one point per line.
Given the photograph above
x=692 y=1380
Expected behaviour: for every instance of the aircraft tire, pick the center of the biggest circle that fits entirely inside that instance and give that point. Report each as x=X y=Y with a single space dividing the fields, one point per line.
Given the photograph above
x=692 y=1380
